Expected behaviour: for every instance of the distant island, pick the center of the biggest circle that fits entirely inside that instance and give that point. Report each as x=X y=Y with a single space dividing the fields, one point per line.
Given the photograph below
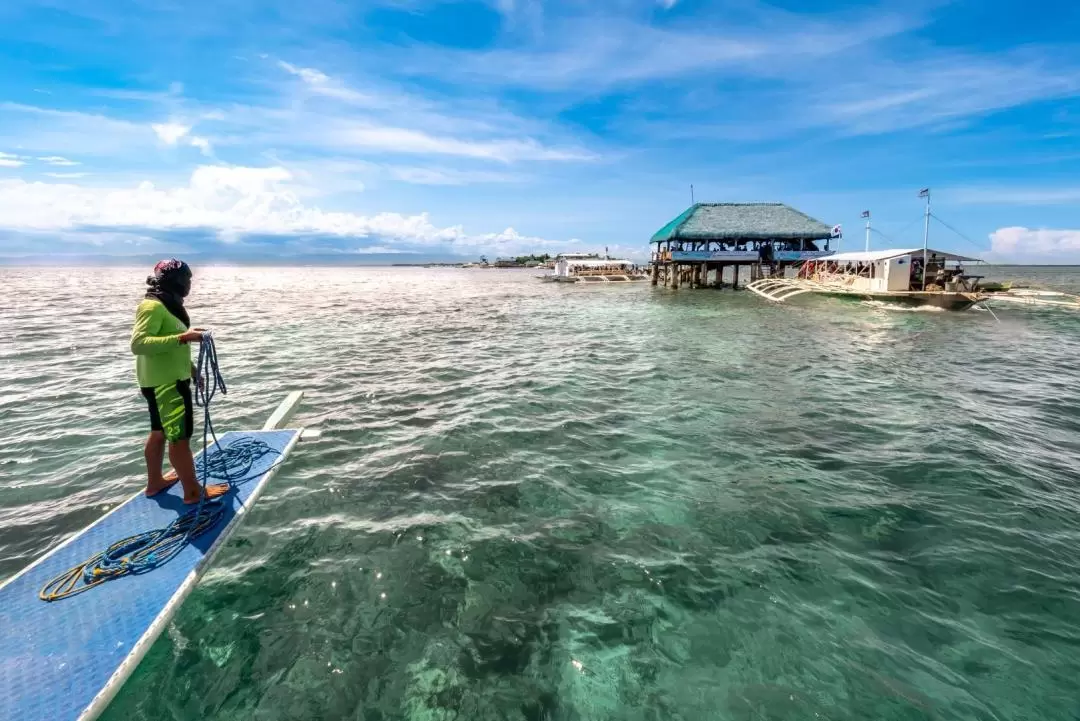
x=521 y=261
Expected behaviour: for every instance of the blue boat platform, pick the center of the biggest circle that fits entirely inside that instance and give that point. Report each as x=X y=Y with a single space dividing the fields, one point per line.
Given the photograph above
x=66 y=659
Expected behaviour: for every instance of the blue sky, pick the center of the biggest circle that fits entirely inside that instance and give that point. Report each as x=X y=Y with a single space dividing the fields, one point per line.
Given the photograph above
x=277 y=129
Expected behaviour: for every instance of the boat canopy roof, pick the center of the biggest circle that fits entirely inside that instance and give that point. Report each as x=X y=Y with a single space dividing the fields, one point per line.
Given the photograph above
x=596 y=263
x=576 y=256
x=876 y=255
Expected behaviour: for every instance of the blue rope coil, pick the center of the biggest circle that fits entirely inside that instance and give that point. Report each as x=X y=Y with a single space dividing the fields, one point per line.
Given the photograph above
x=146 y=551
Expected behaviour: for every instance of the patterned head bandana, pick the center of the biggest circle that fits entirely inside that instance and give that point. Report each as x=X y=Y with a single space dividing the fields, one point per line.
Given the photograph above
x=170 y=284
x=170 y=269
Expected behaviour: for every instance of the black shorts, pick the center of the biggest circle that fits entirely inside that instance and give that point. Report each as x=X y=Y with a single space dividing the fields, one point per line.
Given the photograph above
x=171 y=410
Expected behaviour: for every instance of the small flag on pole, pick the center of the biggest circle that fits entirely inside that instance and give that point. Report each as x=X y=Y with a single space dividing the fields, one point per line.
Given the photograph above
x=924 y=193
x=836 y=231
x=866 y=214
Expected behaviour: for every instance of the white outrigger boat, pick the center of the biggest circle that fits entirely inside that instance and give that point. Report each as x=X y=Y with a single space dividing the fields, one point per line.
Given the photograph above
x=890 y=276
x=909 y=277
x=591 y=268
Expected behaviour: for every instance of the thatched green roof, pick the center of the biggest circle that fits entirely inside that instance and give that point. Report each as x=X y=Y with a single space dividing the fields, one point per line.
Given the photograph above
x=742 y=221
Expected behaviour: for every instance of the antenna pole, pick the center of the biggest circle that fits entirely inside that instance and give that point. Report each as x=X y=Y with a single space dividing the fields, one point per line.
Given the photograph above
x=868 y=231
x=925 y=237
x=691 y=193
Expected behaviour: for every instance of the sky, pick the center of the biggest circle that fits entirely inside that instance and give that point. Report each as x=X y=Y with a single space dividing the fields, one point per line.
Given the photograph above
x=408 y=130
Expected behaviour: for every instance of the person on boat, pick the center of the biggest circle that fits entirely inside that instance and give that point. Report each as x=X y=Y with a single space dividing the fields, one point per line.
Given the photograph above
x=161 y=342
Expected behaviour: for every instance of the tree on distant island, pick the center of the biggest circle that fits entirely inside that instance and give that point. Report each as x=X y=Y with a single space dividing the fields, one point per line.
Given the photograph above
x=483 y=260
x=523 y=259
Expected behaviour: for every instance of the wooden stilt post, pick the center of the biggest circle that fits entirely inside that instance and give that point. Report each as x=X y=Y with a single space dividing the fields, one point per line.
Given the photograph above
x=674 y=270
x=735 y=278
x=655 y=272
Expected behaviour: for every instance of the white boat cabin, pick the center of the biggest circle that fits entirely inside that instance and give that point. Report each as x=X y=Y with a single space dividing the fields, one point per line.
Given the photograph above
x=585 y=267
x=884 y=271
x=570 y=265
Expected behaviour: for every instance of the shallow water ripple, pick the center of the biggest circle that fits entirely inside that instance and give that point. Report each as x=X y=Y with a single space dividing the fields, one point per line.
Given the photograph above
x=534 y=502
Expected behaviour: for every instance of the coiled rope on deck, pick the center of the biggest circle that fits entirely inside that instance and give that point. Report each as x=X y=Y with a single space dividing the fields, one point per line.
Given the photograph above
x=146 y=551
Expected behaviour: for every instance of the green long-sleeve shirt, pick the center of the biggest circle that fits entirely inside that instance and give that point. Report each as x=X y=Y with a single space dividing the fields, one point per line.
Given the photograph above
x=160 y=357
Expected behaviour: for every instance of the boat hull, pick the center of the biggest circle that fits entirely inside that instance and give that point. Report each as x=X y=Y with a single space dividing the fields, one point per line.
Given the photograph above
x=592 y=278
x=780 y=290
x=944 y=301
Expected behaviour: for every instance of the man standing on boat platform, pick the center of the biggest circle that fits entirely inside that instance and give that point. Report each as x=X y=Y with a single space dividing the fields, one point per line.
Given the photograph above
x=161 y=341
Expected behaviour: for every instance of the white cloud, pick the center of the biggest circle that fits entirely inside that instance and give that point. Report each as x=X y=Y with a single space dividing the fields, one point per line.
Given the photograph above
x=66 y=175
x=7 y=160
x=595 y=51
x=322 y=84
x=170 y=133
x=880 y=96
x=812 y=70
x=508 y=239
x=234 y=201
x=402 y=140
x=381 y=249
x=393 y=121
x=202 y=144
x=54 y=132
x=448 y=176
x=173 y=133
x=58 y=160
x=667 y=4
x=308 y=75
x=323 y=118
x=1043 y=243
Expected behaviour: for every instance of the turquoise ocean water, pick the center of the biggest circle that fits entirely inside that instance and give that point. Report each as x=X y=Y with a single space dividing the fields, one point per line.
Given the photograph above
x=537 y=502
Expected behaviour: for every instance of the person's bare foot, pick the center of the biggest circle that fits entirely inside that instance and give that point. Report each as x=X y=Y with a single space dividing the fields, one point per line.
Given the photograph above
x=167 y=481
x=218 y=489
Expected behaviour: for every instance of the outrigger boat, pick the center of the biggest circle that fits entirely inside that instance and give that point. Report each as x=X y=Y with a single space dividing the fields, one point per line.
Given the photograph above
x=891 y=276
x=910 y=277
x=591 y=268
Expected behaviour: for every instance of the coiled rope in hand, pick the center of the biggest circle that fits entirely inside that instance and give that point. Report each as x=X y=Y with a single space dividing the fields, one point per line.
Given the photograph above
x=146 y=551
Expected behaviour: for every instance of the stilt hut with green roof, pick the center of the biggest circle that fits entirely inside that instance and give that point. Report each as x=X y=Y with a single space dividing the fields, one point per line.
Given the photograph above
x=711 y=237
